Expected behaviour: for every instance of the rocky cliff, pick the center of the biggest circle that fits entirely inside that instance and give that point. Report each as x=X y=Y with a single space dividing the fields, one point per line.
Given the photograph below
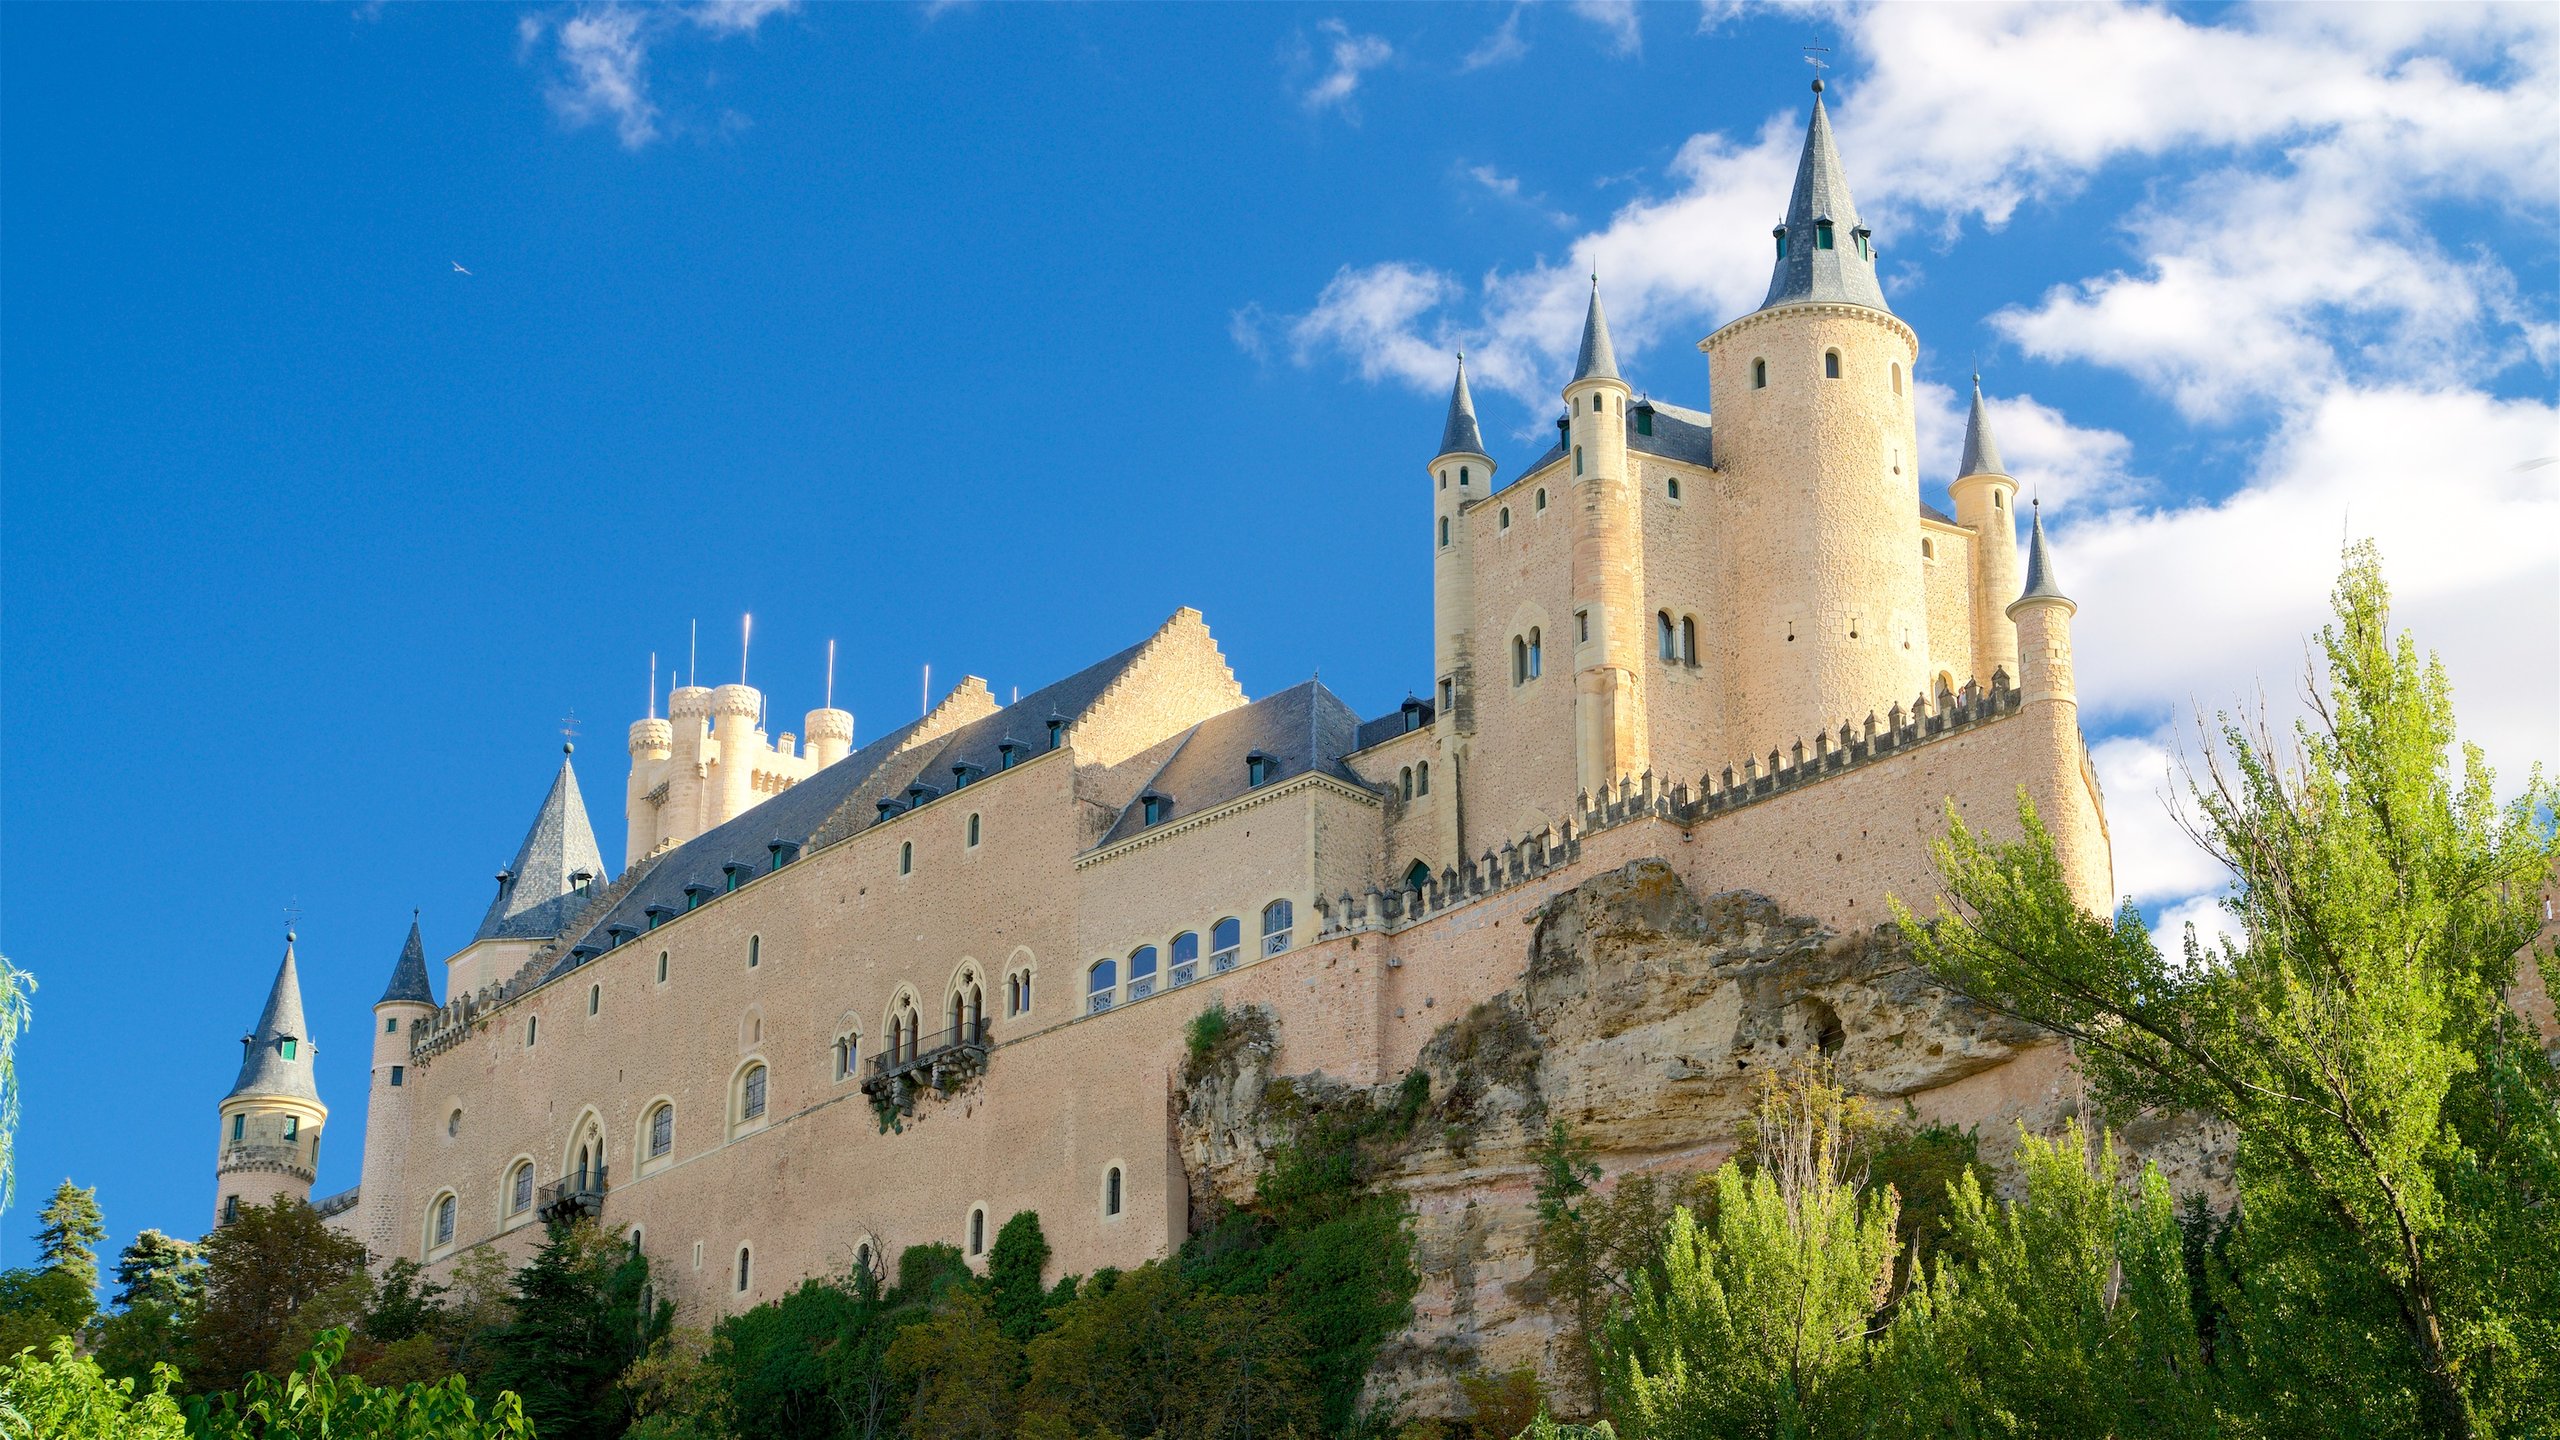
x=1644 y=1017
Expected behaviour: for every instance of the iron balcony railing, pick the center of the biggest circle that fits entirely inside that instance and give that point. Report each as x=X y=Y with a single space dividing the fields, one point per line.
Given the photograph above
x=963 y=1046
x=575 y=1194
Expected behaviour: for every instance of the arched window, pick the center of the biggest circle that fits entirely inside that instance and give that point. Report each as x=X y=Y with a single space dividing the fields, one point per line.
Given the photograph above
x=1759 y=374
x=1577 y=459
x=1928 y=548
x=1505 y=518
x=662 y=1132
x=1519 y=659
x=755 y=951
x=1186 y=957
x=1276 y=919
x=1830 y=364
x=848 y=1055
x=1946 y=688
x=977 y=1231
x=1417 y=876
x=967 y=1007
x=1226 y=942
x=1666 y=637
x=1689 y=639
x=906 y=857
x=1444 y=532
x=520 y=1188
x=1099 y=982
x=1533 y=652
x=1542 y=497
x=532 y=1028
x=445 y=1207
x=1405 y=781
x=1111 y=1191
x=1897 y=377
x=973 y=830
x=1142 y=972
x=452 y=1124
x=1422 y=778
x=1462 y=477
x=662 y=967
x=751 y=1094
x=744 y=1261
x=906 y=1029
x=1671 y=487
x=595 y=998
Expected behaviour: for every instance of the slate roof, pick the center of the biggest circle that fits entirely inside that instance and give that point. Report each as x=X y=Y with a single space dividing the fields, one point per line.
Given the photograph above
x=1679 y=433
x=1932 y=512
x=538 y=898
x=1305 y=727
x=1981 y=452
x=1806 y=272
x=1388 y=726
x=264 y=1070
x=1599 y=358
x=409 y=983
x=2040 y=584
x=1459 y=434
x=842 y=799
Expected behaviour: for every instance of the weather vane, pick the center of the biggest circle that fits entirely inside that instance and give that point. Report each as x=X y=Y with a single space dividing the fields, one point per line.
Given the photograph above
x=1813 y=56
x=292 y=918
x=569 y=728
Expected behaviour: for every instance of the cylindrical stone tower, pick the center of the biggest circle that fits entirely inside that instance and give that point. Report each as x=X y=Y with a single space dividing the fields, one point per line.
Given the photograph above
x=830 y=735
x=689 y=712
x=734 y=709
x=1608 y=626
x=384 y=1197
x=1986 y=502
x=269 y=1144
x=652 y=741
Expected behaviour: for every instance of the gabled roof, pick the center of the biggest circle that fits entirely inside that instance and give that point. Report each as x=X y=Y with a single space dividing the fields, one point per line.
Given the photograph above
x=1599 y=358
x=1305 y=727
x=842 y=799
x=264 y=1070
x=538 y=897
x=1806 y=271
x=1981 y=452
x=409 y=983
x=1459 y=434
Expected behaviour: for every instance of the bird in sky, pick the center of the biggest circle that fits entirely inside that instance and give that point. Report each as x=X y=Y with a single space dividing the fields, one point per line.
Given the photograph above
x=458 y=270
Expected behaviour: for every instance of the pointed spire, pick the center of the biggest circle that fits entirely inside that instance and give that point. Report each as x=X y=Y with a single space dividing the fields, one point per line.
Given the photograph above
x=267 y=1069
x=1981 y=452
x=1599 y=359
x=2040 y=585
x=409 y=984
x=1845 y=271
x=1459 y=436
x=540 y=893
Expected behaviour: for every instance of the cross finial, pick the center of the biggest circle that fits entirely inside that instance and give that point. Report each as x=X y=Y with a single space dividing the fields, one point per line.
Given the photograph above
x=569 y=732
x=1813 y=56
x=292 y=920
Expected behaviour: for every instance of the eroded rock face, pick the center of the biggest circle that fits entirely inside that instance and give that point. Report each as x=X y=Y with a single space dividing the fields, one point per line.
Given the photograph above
x=1645 y=1018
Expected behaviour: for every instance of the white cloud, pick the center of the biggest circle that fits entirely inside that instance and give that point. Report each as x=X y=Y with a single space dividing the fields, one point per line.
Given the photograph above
x=1350 y=56
x=1370 y=313
x=602 y=57
x=2064 y=464
x=1501 y=47
x=2212 y=923
x=1618 y=22
x=2146 y=796
x=1507 y=189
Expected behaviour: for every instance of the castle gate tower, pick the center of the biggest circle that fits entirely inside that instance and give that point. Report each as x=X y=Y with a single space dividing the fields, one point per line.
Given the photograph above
x=270 y=1137
x=1814 y=425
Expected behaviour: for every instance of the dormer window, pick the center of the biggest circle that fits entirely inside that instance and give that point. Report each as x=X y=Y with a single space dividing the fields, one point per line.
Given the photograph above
x=1057 y=732
x=964 y=772
x=696 y=893
x=1416 y=714
x=580 y=878
x=734 y=874
x=659 y=915
x=919 y=793
x=1153 y=808
x=1257 y=768
x=783 y=852
x=1006 y=754
x=1822 y=234
x=616 y=934
x=1779 y=233
x=581 y=954
x=285 y=1048
x=1861 y=235
x=1644 y=419
x=888 y=806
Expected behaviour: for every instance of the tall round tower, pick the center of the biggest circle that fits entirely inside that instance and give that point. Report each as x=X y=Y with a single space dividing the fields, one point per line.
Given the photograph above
x=1608 y=633
x=383 y=1194
x=646 y=792
x=1461 y=474
x=734 y=709
x=1814 y=425
x=689 y=717
x=1986 y=502
x=270 y=1138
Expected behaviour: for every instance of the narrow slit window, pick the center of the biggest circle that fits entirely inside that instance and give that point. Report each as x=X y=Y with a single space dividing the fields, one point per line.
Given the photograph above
x=1759 y=374
x=1830 y=364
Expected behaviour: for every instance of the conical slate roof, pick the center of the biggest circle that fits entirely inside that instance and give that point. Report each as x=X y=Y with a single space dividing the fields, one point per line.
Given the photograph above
x=1981 y=452
x=266 y=1069
x=1599 y=359
x=2040 y=584
x=538 y=899
x=1460 y=436
x=1805 y=271
x=409 y=984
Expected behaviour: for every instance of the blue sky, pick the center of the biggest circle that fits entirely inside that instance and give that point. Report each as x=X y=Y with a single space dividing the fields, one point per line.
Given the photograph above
x=984 y=337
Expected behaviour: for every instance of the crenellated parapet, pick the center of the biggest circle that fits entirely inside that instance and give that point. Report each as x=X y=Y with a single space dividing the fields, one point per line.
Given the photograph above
x=1855 y=745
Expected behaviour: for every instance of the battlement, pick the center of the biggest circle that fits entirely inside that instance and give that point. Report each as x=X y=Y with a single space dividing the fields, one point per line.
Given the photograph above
x=1635 y=798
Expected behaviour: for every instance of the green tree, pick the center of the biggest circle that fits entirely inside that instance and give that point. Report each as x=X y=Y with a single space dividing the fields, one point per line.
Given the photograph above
x=956 y=1370
x=581 y=1319
x=39 y=1306
x=312 y=1403
x=1014 y=1290
x=1758 y=1325
x=2399 y=1155
x=260 y=1270
x=68 y=1240
x=16 y=986
x=68 y=1397
x=1155 y=1354
x=676 y=1393
x=158 y=1267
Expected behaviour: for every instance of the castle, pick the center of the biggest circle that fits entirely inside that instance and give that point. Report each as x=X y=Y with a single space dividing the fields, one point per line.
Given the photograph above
x=839 y=1001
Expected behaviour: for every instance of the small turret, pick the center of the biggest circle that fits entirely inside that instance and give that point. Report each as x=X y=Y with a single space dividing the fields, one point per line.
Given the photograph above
x=1986 y=502
x=645 y=792
x=2043 y=615
x=1608 y=633
x=830 y=733
x=681 y=814
x=409 y=998
x=1462 y=473
x=269 y=1142
x=734 y=709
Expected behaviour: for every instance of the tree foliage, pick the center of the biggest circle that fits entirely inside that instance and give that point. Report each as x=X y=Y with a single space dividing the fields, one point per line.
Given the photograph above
x=67 y=1396
x=310 y=1402
x=72 y=1231
x=16 y=989
x=2399 y=1156
x=261 y=1268
x=582 y=1316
